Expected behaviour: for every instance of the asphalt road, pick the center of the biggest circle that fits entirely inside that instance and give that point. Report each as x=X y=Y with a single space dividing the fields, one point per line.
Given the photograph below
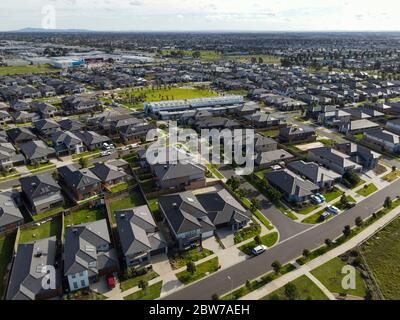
x=285 y=251
x=287 y=227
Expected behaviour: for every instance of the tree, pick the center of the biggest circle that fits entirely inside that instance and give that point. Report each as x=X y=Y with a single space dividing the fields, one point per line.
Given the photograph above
x=255 y=204
x=143 y=284
x=248 y=285
x=306 y=253
x=191 y=267
x=234 y=183
x=359 y=221
x=260 y=60
x=257 y=240
x=394 y=168
x=351 y=178
x=83 y=162
x=241 y=193
x=196 y=54
x=253 y=60
x=276 y=265
x=343 y=200
x=291 y=291
x=328 y=242
x=347 y=231
x=215 y=297
x=388 y=203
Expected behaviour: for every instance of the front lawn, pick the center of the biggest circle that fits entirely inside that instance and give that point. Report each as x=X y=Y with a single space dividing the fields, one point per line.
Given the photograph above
x=305 y=288
x=330 y=275
x=180 y=260
x=6 y=251
x=202 y=270
x=84 y=216
x=392 y=176
x=367 y=190
x=268 y=240
x=151 y=293
x=360 y=183
x=247 y=233
x=134 y=282
x=308 y=209
x=119 y=187
x=42 y=231
x=315 y=218
x=41 y=167
x=332 y=195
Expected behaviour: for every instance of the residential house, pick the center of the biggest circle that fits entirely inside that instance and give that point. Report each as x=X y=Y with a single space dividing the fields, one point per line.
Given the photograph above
x=269 y=158
x=383 y=140
x=41 y=193
x=10 y=215
x=37 y=152
x=66 y=143
x=366 y=157
x=5 y=117
x=46 y=127
x=71 y=125
x=292 y=186
x=109 y=174
x=80 y=184
x=333 y=160
x=46 y=110
x=9 y=156
x=79 y=104
x=322 y=177
x=294 y=134
x=358 y=126
x=29 y=269
x=88 y=254
x=262 y=119
x=25 y=117
x=92 y=140
x=264 y=144
x=20 y=135
x=139 y=236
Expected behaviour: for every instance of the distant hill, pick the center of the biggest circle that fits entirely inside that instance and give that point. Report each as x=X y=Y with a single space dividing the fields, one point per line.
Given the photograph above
x=37 y=30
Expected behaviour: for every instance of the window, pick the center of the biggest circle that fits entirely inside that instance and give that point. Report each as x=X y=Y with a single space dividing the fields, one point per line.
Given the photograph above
x=75 y=285
x=83 y=283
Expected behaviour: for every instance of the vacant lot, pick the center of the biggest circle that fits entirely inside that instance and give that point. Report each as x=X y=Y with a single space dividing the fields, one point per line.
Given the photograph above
x=44 y=230
x=382 y=255
x=43 y=68
x=306 y=290
x=6 y=250
x=330 y=274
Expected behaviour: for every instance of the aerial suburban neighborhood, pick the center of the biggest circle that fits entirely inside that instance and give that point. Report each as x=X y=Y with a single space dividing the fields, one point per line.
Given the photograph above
x=84 y=205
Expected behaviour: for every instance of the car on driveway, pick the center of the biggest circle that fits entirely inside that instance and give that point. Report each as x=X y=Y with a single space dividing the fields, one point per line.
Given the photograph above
x=333 y=210
x=111 y=281
x=316 y=199
x=324 y=216
x=259 y=250
x=321 y=197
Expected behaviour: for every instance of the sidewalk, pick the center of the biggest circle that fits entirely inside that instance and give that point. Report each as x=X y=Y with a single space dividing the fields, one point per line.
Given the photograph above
x=303 y=270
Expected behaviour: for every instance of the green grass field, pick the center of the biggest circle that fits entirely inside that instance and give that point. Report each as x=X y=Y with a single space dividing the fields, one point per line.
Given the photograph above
x=392 y=176
x=45 y=230
x=162 y=94
x=268 y=240
x=6 y=250
x=330 y=275
x=84 y=216
x=367 y=190
x=133 y=282
x=306 y=290
x=382 y=255
x=151 y=293
x=202 y=270
x=191 y=255
x=134 y=199
x=42 y=68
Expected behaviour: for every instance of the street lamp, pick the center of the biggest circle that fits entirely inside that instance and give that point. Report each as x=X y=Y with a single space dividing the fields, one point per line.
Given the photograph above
x=230 y=279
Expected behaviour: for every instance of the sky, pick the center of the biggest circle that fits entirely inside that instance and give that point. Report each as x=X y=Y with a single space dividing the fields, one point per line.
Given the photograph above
x=202 y=15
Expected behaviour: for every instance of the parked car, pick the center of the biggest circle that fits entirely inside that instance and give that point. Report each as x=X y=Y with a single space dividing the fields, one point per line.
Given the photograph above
x=332 y=209
x=111 y=281
x=316 y=199
x=259 y=250
x=321 y=197
x=325 y=216
x=106 y=153
x=350 y=205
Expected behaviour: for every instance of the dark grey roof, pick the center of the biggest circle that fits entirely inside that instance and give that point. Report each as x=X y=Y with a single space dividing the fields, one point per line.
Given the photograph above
x=272 y=156
x=76 y=178
x=90 y=137
x=67 y=138
x=107 y=172
x=46 y=124
x=183 y=211
x=333 y=156
x=81 y=248
x=21 y=134
x=36 y=149
x=9 y=212
x=39 y=185
x=294 y=130
x=27 y=271
x=70 y=125
x=313 y=171
x=173 y=171
x=222 y=208
x=136 y=228
x=384 y=135
x=291 y=183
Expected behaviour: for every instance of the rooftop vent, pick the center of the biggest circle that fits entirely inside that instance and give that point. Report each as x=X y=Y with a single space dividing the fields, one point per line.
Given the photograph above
x=38 y=253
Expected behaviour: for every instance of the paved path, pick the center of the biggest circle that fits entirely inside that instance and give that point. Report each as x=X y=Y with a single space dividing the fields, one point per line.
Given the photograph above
x=305 y=269
x=320 y=286
x=286 y=251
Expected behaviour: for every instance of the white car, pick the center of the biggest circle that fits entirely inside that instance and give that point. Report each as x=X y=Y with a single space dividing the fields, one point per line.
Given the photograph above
x=106 y=153
x=259 y=250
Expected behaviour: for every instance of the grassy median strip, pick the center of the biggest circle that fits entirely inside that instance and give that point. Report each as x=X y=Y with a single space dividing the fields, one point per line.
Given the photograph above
x=201 y=270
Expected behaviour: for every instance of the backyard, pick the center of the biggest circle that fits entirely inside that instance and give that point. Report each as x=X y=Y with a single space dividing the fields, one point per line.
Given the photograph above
x=84 y=216
x=43 y=230
x=132 y=200
x=306 y=290
x=6 y=250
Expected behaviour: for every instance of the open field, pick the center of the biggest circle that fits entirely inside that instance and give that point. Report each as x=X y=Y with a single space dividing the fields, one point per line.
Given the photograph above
x=306 y=290
x=382 y=255
x=42 y=68
x=330 y=275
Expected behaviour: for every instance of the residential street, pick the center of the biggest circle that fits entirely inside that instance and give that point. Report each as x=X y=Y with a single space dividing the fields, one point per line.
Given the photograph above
x=285 y=251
